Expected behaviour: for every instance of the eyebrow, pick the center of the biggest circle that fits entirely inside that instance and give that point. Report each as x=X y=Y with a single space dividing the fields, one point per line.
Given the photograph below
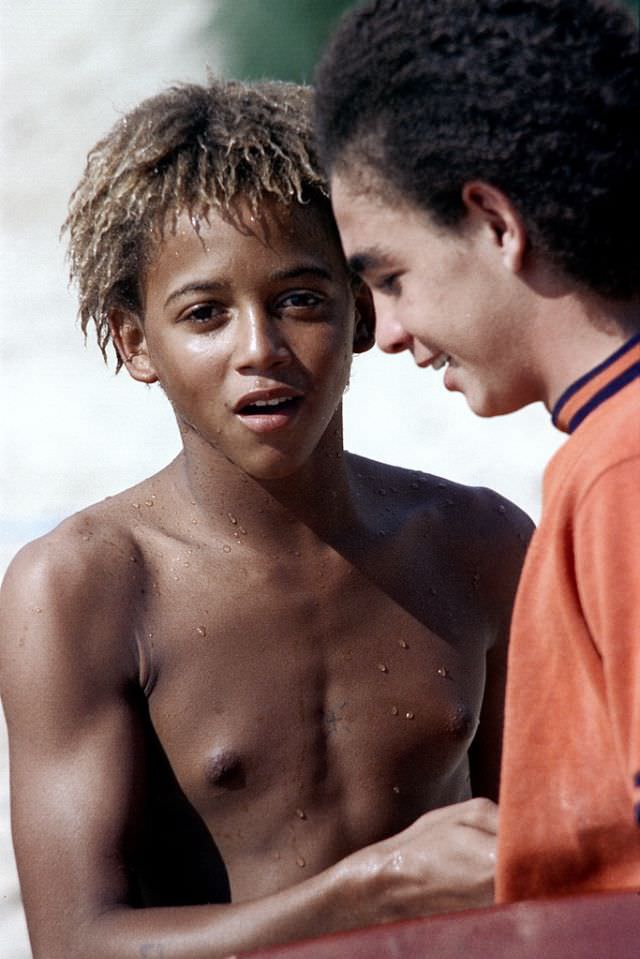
x=372 y=259
x=214 y=286
x=198 y=286
x=304 y=269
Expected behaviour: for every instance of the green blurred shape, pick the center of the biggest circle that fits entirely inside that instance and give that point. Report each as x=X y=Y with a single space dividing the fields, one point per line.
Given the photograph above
x=280 y=39
x=635 y=5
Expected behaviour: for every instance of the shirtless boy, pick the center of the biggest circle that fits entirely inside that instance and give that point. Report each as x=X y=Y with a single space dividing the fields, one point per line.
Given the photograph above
x=239 y=694
x=486 y=183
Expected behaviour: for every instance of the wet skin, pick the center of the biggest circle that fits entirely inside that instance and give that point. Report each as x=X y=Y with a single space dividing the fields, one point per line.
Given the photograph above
x=269 y=655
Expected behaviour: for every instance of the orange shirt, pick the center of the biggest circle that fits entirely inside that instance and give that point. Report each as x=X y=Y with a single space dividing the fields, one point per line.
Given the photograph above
x=570 y=793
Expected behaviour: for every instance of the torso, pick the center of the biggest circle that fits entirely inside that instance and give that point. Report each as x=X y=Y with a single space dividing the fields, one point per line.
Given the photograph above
x=307 y=705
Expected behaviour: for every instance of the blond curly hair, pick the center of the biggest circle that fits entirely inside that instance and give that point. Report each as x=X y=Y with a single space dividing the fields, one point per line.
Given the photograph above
x=191 y=148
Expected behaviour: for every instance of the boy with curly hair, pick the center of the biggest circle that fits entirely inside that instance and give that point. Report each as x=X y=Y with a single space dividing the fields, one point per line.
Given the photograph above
x=236 y=714
x=486 y=183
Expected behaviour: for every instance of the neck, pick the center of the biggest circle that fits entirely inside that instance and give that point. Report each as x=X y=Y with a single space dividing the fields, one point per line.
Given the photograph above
x=314 y=501
x=577 y=334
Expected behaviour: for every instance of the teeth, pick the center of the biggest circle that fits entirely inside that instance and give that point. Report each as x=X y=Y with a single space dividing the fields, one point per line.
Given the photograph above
x=269 y=402
x=441 y=360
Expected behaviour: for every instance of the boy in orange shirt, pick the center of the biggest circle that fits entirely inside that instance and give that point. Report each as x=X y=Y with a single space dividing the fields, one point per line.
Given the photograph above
x=484 y=162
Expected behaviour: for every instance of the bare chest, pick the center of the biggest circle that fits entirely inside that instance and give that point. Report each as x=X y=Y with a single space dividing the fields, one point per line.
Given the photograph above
x=284 y=700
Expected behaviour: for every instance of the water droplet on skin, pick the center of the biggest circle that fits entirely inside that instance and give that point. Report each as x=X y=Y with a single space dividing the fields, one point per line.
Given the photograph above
x=396 y=790
x=148 y=502
x=242 y=530
x=86 y=538
x=442 y=671
x=133 y=559
x=394 y=710
x=381 y=491
x=136 y=505
x=201 y=630
x=403 y=644
x=442 y=485
x=300 y=861
x=186 y=563
x=226 y=548
x=232 y=519
x=38 y=609
x=301 y=814
x=409 y=715
x=194 y=522
x=383 y=667
x=502 y=508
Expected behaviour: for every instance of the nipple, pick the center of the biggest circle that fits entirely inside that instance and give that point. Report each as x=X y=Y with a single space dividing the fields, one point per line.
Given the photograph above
x=223 y=768
x=462 y=723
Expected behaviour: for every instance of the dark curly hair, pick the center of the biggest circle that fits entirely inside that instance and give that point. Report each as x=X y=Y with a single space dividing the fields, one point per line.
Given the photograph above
x=538 y=97
x=192 y=148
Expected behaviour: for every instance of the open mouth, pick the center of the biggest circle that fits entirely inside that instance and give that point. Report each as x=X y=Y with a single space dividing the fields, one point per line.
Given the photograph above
x=268 y=407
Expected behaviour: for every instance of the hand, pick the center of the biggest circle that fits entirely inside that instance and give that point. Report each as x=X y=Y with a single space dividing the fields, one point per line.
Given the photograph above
x=444 y=862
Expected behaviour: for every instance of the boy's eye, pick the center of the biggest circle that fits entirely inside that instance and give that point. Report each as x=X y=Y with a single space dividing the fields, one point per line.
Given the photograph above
x=204 y=313
x=300 y=299
x=388 y=284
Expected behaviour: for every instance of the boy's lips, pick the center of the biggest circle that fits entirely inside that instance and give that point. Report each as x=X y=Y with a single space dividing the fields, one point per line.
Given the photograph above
x=265 y=410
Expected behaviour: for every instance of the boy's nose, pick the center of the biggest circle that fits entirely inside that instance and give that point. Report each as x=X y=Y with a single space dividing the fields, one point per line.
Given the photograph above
x=261 y=344
x=391 y=337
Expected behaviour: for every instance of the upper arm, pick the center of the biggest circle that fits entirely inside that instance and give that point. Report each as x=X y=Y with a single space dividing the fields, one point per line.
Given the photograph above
x=76 y=740
x=505 y=543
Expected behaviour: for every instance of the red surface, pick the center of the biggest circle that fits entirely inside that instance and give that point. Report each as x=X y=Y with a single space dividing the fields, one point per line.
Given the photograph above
x=602 y=928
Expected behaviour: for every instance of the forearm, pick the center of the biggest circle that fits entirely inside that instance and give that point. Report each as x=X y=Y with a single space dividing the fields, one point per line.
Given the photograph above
x=444 y=862
x=325 y=903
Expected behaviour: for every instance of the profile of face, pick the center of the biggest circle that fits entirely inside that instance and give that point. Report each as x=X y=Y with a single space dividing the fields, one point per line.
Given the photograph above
x=249 y=324
x=452 y=296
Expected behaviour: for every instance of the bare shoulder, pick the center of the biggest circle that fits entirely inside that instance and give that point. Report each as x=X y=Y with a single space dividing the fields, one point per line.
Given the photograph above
x=482 y=516
x=71 y=597
x=459 y=534
x=68 y=558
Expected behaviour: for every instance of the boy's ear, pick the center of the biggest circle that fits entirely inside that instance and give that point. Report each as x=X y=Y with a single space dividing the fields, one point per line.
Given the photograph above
x=497 y=213
x=364 y=335
x=128 y=338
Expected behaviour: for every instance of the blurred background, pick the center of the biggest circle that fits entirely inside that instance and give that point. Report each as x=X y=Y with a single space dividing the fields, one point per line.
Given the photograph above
x=70 y=431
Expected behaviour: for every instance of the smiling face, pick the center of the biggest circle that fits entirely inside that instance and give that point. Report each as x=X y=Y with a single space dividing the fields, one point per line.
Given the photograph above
x=451 y=296
x=249 y=328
